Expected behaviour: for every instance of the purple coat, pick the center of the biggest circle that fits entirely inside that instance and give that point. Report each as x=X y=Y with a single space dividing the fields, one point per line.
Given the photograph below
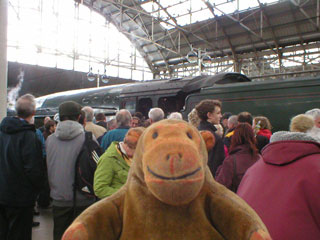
x=283 y=188
x=244 y=159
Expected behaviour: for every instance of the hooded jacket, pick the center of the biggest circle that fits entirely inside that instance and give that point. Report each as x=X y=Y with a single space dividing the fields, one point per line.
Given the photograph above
x=63 y=148
x=112 y=172
x=283 y=188
x=21 y=166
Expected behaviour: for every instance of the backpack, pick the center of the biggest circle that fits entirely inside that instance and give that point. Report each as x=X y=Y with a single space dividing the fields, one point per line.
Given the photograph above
x=86 y=165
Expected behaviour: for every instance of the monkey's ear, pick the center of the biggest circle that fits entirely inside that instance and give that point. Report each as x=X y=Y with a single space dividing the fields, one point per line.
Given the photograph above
x=209 y=139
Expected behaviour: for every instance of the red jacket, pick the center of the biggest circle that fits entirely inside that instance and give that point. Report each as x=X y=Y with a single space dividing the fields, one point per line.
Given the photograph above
x=243 y=158
x=283 y=188
x=265 y=132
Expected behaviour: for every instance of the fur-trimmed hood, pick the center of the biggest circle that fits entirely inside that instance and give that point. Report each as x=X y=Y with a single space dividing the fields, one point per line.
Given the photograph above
x=284 y=135
x=287 y=147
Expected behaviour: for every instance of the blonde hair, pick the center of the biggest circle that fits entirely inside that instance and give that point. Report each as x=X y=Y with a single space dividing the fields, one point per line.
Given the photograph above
x=193 y=118
x=301 y=123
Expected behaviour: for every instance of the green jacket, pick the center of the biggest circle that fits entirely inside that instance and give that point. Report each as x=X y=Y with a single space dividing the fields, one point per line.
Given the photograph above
x=111 y=173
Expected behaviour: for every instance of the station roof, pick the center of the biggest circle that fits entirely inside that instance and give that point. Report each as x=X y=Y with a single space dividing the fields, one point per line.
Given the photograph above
x=165 y=41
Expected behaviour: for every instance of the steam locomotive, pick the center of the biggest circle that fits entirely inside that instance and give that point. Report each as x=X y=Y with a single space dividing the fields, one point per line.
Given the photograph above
x=279 y=100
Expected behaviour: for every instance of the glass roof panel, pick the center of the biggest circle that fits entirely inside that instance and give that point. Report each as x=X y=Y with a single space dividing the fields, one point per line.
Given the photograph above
x=190 y=11
x=60 y=34
x=181 y=10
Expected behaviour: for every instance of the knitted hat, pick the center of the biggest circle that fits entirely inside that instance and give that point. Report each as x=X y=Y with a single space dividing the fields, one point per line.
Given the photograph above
x=132 y=136
x=69 y=108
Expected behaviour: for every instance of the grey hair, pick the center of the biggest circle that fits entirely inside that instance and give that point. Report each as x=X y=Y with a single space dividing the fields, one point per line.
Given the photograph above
x=25 y=106
x=315 y=113
x=89 y=113
x=156 y=114
x=233 y=120
x=112 y=124
x=175 y=115
x=123 y=118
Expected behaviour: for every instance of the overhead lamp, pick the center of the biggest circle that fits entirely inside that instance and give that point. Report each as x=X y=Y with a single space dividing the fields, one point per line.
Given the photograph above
x=91 y=76
x=206 y=60
x=192 y=56
x=104 y=77
x=199 y=56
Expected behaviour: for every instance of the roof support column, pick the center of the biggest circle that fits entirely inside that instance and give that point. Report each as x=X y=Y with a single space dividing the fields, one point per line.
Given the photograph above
x=318 y=13
x=236 y=65
x=3 y=57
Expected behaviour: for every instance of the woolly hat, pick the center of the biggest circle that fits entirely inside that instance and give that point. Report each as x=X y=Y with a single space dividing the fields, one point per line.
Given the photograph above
x=132 y=136
x=69 y=108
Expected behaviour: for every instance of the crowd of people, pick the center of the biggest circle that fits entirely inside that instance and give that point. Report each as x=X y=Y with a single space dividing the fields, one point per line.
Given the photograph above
x=275 y=173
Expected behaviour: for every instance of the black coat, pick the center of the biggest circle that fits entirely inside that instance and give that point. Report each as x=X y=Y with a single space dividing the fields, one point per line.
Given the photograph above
x=216 y=154
x=21 y=165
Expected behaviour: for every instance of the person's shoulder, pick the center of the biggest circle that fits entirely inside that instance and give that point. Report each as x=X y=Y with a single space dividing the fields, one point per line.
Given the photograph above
x=111 y=151
x=262 y=138
x=96 y=125
x=229 y=134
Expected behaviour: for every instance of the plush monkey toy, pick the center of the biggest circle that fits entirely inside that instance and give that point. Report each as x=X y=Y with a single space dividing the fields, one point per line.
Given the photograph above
x=170 y=194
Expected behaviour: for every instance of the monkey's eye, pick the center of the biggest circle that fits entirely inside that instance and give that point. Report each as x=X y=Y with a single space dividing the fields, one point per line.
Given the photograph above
x=189 y=135
x=155 y=135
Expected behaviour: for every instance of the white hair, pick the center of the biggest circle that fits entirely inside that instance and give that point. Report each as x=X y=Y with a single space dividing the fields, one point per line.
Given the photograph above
x=315 y=113
x=156 y=114
x=233 y=120
x=175 y=115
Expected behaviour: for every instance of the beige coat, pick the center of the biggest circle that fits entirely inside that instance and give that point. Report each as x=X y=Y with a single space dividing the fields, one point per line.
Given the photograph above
x=96 y=130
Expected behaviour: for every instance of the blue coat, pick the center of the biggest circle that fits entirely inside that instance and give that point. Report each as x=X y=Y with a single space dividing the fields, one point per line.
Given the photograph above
x=117 y=134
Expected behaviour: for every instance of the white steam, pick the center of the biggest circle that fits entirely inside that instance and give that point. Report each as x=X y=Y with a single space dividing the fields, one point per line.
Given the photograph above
x=13 y=93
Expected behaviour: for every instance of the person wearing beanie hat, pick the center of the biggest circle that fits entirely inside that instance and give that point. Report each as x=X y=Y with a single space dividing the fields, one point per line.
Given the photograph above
x=113 y=166
x=63 y=148
x=69 y=109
